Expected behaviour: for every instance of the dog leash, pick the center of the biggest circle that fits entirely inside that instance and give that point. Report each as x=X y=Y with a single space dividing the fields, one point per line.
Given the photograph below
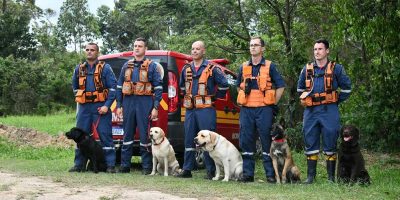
x=148 y=131
x=95 y=134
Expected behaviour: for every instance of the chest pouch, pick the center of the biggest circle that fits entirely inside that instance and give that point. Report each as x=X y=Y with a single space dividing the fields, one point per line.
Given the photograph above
x=305 y=100
x=202 y=101
x=241 y=98
x=143 y=74
x=264 y=83
x=127 y=87
x=269 y=97
x=187 y=101
x=202 y=89
x=80 y=96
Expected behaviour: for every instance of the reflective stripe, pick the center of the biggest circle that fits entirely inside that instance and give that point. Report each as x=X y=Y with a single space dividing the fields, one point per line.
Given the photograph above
x=223 y=88
x=127 y=143
x=300 y=90
x=119 y=86
x=345 y=91
x=265 y=153
x=190 y=149
x=158 y=88
x=248 y=153
x=111 y=89
x=75 y=91
x=312 y=152
x=329 y=153
x=108 y=148
x=183 y=88
x=145 y=145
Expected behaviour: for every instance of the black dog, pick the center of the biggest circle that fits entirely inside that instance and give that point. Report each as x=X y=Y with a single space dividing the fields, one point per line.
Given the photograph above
x=351 y=166
x=89 y=148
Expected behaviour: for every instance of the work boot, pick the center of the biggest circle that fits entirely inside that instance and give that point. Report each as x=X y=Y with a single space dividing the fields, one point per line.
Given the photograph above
x=271 y=179
x=246 y=179
x=330 y=169
x=209 y=175
x=110 y=170
x=184 y=174
x=146 y=171
x=311 y=171
x=76 y=169
x=124 y=170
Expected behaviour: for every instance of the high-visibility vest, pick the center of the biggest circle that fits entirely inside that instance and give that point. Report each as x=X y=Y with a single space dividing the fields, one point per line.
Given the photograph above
x=202 y=99
x=143 y=86
x=264 y=95
x=100 y=94
x=328 y=96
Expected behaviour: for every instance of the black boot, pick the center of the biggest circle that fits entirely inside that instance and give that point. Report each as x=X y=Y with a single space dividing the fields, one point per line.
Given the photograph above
x=311 y=171
x=330 y=169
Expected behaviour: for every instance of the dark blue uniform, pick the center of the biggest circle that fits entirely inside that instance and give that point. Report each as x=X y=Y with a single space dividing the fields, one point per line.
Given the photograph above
x=136 y=113
x=256 y=122
x=323 y=118
x=201 y=119
x=88 y=112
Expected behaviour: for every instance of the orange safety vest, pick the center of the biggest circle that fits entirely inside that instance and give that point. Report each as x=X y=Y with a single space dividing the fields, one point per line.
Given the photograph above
x=100 y=94
x=143 y=86
x=327 y=97
x=262 y=96
x=202 y=99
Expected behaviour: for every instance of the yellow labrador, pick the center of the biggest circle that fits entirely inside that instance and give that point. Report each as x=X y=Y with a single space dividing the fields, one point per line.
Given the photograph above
x=223 y=152
x=164 y=160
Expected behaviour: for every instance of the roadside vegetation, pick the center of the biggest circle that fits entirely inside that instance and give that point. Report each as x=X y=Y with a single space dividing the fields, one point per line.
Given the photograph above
x=53 y=163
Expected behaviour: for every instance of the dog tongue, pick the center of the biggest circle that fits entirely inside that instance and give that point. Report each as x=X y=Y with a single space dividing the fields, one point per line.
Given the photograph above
x=347 y=138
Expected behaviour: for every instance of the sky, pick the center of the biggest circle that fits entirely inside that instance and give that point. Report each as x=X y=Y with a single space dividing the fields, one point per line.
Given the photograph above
x=56 y=5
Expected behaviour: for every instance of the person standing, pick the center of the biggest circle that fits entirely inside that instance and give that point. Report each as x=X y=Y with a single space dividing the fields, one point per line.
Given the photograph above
x=260 y=88
x=198 y=83
x=93 y=84
x=139 y=93
x=318 y=84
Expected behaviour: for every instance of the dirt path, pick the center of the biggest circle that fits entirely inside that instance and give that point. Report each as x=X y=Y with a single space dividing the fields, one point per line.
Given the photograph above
x=13 y=186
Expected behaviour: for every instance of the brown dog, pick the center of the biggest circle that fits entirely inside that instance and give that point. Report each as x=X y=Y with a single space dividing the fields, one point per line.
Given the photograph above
x=164 y=160
x=282 y=157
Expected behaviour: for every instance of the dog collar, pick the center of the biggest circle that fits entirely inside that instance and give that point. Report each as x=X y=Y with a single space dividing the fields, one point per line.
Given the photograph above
x=280 y=140
x=216 y=143
x=160 y=142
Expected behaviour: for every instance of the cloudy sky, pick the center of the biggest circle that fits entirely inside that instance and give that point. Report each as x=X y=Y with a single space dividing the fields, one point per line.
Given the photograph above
x=56 y=5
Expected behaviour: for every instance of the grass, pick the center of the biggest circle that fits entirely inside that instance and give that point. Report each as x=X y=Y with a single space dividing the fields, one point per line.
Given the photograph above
x=52 y=124
x=53 y=163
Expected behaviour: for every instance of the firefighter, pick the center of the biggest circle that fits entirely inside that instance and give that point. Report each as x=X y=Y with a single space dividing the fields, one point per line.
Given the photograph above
x=260 y=88
x=139 y=93
x=318 y=84
x=198 y=83
x=94 y=84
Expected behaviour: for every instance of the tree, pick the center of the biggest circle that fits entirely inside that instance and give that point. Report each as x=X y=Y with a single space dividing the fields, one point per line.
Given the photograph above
x=76 y=24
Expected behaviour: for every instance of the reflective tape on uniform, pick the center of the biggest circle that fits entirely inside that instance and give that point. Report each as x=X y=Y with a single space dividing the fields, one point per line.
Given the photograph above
x=127 y=143
x=108 y=148
x=300 y=90
x=119 y=86
x=248 y=153
x=111 y=89
x=75 y=91
x=345 y=91
x=312 y=152
x=183 y=88
x=190 y=149
x=158 y=88
x=145 y=145
x=329 y=153
x=265 y=154
x=223 y=88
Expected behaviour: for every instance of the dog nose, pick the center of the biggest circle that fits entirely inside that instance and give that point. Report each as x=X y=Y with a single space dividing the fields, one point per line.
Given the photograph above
x=195 y=140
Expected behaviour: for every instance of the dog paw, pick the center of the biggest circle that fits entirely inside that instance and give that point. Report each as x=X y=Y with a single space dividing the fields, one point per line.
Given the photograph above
x=215 y=178
x=225 y=179
x=166 y=174
x=153 y=173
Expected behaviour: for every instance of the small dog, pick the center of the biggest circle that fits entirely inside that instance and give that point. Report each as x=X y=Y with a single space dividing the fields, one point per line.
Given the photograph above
x=351 y=164
x=164 y=160
x=89 y=148
x=281 y=156
x=223 y=152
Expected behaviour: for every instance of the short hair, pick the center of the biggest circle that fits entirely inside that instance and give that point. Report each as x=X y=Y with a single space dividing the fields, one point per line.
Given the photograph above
x=142 y=39
x=95 y=44
x=261 y=40
x=325 y=42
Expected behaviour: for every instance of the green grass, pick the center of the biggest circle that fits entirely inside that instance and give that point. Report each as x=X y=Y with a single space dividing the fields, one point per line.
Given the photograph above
x=54 y=163
x=52 y=124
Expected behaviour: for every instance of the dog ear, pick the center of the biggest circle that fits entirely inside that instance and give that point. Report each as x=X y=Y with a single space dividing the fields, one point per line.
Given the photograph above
x=162 y=132
x=213 y=137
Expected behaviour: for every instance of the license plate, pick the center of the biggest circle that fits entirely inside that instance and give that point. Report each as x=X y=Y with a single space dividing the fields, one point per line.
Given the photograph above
x=117 y=131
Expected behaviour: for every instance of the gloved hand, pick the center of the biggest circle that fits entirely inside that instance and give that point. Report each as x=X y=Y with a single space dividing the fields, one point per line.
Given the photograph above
x=275 y=110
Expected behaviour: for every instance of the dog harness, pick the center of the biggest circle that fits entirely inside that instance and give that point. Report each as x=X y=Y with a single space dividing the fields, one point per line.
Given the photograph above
x=262 y=96
x=100 y=94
